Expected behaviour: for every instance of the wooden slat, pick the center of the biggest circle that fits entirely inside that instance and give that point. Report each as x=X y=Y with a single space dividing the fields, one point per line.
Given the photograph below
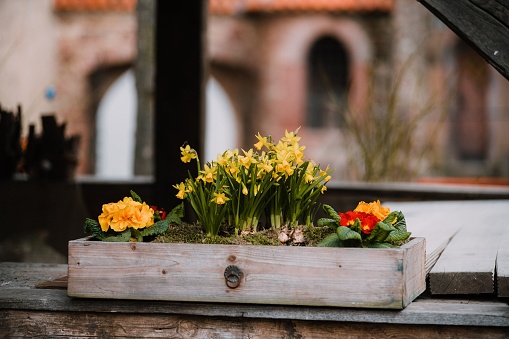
x=503 y=265
x=467 y=265
x=22 y=324
x=423 y=311
x=482 y=23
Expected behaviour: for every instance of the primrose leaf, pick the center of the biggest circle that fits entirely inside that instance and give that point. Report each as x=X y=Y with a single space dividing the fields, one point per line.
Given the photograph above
x=400 y=222
x=327 y=222
x=175 y=214
x=120 y=237
x=345 y=233
x=136 y=197
x=331 y=212
x=397 y=235
x=157 y=228
x=332 y=240
x=381 y=231
x=93 y=228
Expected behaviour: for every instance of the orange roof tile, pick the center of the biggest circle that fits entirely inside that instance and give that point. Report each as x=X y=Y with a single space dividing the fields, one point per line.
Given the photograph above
x=228 y=7
x=94 y=5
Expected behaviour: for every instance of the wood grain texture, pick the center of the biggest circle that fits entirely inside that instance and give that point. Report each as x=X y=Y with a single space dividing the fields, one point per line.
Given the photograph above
x=467 y=265
x=350 y=277
x=481 y=23
x=503 y=265
x=21 y=324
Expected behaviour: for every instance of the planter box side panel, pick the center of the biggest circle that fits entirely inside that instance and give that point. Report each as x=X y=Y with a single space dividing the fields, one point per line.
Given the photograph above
x=270 y=275
x=415 y=270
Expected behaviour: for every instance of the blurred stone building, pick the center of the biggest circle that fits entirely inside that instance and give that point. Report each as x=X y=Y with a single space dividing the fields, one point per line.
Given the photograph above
x=273 y=66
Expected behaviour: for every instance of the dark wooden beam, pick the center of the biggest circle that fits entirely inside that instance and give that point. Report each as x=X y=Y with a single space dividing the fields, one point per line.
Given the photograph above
x=484 y=24
x=179 y=91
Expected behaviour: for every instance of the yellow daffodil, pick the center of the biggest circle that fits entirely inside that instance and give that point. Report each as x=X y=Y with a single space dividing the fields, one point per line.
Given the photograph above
x=291 y=137
x=187 y=154
x=247 y=159
x=182 y=190
x=208 y=173
x=262 y=141
x=285 y=167
x=220 y=198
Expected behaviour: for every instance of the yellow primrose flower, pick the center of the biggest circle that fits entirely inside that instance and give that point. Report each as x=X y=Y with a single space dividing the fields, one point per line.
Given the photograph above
x=187 y=153
x=220 y=198
x=125 y=213
x=182 y=190
x=324 y=188
x=374 y=208
x=244 y=189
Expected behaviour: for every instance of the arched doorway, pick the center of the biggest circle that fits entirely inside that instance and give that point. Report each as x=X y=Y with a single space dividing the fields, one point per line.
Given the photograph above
x=116 y=129
x=221 y=124
x=328 y=82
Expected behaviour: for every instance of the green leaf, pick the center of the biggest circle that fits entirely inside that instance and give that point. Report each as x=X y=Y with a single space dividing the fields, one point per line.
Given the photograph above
x=136 y=197
x=157 y=228
x=93 y=228
x=120 y=237
x=332 y=240
x=401 y=222
x=136 y=234
x=327 y=222
x=397 y=235
x=177 y=211
x=331 y=212
x=345 y=233
x=380 y=232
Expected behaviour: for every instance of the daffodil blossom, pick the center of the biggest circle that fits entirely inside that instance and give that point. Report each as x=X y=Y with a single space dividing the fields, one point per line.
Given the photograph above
x=220 y=198
x=187 y=154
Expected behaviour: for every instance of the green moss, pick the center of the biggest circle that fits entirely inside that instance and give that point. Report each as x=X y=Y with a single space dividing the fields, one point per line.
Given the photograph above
x=194 y=234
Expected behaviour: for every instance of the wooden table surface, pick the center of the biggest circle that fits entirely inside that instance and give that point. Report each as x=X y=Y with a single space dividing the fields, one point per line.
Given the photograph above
x=29 y=307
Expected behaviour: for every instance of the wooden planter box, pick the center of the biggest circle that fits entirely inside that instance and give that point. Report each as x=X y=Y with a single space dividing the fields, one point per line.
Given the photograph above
x=286 y=275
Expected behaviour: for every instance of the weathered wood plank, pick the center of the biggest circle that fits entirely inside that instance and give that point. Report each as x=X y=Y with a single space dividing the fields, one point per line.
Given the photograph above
x=351 y=277
x=503 y=265
x=425 y=311
x=467 y=265
x=21 y=324
x=481 y=23
x=18 y=294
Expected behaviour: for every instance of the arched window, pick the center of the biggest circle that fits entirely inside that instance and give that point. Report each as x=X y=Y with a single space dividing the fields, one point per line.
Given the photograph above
x=328 y=80
x=470 y=123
